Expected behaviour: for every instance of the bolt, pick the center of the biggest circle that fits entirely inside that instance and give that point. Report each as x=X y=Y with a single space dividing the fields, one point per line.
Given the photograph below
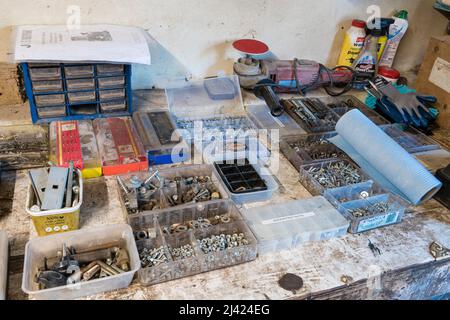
x=122 y=185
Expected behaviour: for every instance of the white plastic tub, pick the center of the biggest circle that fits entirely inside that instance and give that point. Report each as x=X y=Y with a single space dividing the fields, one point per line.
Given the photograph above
x=38 y=248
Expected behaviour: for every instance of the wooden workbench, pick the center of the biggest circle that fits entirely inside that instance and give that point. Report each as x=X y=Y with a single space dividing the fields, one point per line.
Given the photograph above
x=404 y=269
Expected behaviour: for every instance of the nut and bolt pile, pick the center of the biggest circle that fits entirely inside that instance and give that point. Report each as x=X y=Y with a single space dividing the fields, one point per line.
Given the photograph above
x=199 y=223
x=152 y=257
x=335 y=174
x=222 y=242
x=192 y=189
x=73 y=267
x=182 y=252
x=377 y=208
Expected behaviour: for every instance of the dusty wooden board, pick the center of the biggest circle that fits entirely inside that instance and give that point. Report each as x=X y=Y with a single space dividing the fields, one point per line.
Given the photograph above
x=320 y=264
x=404 y=248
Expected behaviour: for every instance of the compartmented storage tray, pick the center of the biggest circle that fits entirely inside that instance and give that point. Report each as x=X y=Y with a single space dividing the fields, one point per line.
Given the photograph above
x=342 y=104
x=310 y=148
x=409 y=138
x=173 y=184
x=289 y=224
x=77 y=91
x=317 y=177
x=211 y=103
x=366 y=205
x=162 y=230
x=240 y=176
x=220 y=127
x=261 y=116
x=160 y=138
x=311 y=114
x=119 y=145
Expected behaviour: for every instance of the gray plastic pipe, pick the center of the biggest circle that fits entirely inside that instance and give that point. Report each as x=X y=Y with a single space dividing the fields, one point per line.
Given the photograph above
x=3 y=264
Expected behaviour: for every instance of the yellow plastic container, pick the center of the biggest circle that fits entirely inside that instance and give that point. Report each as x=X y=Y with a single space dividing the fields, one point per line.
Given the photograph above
x=353 y=43
x=55 y=221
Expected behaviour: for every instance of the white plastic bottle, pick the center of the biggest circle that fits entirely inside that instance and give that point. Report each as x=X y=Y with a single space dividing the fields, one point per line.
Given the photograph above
x=353 y=43
x=396 y=32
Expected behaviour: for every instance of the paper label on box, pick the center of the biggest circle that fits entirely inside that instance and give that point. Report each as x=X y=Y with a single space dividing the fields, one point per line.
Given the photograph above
x=378 y=221
x=289 y=218
x=440 y=74
x=68 y=127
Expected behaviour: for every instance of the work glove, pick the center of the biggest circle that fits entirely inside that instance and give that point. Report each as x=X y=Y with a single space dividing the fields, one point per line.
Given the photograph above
x=409 y=107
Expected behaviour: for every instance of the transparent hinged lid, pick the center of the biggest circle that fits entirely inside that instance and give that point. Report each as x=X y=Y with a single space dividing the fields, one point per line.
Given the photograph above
x=284 y=225
x=213 y=97
x=157 y=129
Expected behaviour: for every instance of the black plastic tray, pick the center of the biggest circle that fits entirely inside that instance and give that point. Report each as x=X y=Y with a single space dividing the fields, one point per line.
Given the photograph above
x=237 y=175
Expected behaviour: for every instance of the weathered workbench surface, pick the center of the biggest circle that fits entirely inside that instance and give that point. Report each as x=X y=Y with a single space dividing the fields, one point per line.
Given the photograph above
x=404 y=269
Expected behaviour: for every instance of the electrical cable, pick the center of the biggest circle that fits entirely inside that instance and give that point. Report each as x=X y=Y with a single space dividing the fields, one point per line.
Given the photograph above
x=301 y=90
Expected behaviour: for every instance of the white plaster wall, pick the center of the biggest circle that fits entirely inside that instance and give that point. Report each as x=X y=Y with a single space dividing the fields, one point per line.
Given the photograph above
x=198 y=33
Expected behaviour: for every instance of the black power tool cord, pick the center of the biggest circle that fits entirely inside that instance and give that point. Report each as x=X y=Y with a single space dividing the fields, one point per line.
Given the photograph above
x=316 y=83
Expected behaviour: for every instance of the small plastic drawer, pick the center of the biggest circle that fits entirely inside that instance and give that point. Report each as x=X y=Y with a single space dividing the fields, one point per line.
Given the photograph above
x=111 y=82
x=51 y=112
x=45 y=73
x=49 y=100
x=372 y=212
x=113 y=106
x=310 y=148
x=317 y=177
x=81 y=84
x=79 y=71
x=112 y=94
x=78 y=97
x=108 y=69
x=47 y=85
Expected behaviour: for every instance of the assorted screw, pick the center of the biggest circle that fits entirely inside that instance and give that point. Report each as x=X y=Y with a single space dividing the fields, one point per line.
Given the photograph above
x=313 y=112
x=376 y=208
x=335 y=174
x=222 y=242
x=211 y=127
x=152 y=257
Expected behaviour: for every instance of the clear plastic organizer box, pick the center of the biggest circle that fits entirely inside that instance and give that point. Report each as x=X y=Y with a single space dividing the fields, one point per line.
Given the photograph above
x=310 y=148
x=366 y=205
x=38 y=249
x=167 y=188
x=286 y=225
x=409 y=138
x=158 y=228
x=317 y=186
x=216 y=104
x=342 y=104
